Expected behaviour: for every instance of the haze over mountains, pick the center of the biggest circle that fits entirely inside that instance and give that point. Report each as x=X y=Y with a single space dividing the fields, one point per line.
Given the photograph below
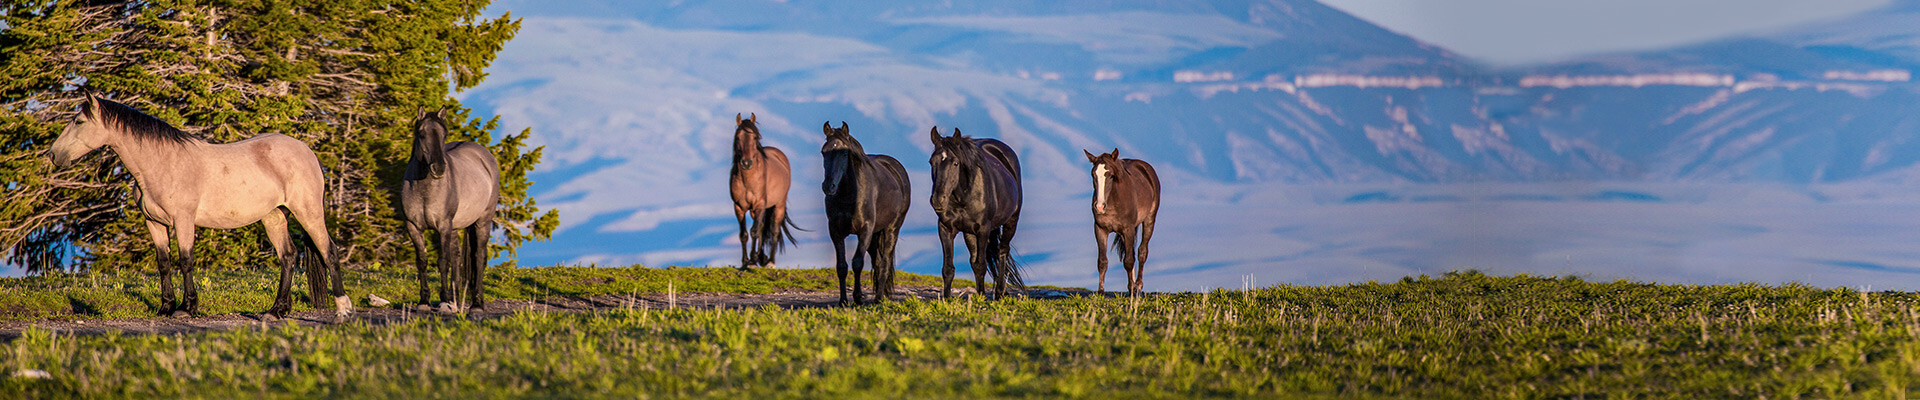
x=1248 y=108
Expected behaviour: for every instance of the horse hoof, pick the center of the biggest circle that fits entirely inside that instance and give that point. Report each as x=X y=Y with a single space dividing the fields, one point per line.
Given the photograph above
x=423 y=307
x=181 y=314
x=267 y=318
x=449 y=308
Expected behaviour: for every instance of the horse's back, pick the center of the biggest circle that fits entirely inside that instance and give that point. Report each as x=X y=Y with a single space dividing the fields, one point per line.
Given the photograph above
x=1001 y=152
x=1150 y=196
x=895 y=185
x=476 y=181
x=1146 y=172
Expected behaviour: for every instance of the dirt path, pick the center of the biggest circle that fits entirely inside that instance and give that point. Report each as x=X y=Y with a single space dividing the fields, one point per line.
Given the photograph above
x=495 y=309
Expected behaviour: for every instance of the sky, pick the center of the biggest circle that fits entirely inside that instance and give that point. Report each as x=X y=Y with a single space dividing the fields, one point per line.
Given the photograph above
x=1519 y=32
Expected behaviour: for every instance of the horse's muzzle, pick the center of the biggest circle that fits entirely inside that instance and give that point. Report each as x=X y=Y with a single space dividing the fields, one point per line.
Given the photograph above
x=60 y=161
x=437 y=171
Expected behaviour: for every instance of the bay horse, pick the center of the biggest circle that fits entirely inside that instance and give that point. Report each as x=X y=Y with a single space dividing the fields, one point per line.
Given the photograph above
x=1126 y=200
x=185 y=182
x=867 y=196
x=976 y=192
x=449 y=188
x=759 y=182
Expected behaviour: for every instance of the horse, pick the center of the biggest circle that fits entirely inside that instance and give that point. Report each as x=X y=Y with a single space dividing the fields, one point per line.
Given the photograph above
x=185 y=182
x=450 y=187
x=758 y=182
x=1126 y=200
x=867 y=195
x=976 y=192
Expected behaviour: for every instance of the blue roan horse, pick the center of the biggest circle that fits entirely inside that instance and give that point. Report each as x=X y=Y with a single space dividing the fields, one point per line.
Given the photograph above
x=186 y=182
x=450 y=187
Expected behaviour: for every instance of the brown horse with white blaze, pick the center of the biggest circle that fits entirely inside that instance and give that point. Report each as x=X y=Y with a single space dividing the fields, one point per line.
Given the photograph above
x=1126 y=200
x=759 y=182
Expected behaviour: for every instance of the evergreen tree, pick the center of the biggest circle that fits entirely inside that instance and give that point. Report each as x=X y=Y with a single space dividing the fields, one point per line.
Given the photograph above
x=345 y=76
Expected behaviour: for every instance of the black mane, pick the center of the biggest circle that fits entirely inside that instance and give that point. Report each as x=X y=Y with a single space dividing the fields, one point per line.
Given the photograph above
x=139 y=124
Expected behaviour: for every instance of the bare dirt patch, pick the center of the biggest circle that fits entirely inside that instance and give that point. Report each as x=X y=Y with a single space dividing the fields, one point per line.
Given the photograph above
x=403 y=312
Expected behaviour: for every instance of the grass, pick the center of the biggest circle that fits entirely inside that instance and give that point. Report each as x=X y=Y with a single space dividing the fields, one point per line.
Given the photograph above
x=1463 y=335
x=135 y=295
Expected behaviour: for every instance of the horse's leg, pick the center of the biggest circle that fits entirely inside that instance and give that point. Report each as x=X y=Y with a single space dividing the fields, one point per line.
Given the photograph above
x=776 y=218
x=420 y=260
x=1127 y=256
x=996 y=252
x=449 y=258
x=740 y=215
x=1140 y=267
x=190 y=293
x=314 y=222
x=163 y=261
x=860 y=252
x=840 y=263
x=977 y=262
x=478 y=242
x=946 y=260
x=276 y=226
x=882 y=254
x=1100 y=240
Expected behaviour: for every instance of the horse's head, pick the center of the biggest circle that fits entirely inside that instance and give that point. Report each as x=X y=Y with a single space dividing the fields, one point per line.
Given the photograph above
x=429 y=142
x=954 y=159
x=82 y=136
x=840 y=153
x=1105 y=166
x=746 y=141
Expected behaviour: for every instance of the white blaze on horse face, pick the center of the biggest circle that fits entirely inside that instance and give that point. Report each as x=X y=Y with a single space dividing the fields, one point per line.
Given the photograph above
x=1100 y=175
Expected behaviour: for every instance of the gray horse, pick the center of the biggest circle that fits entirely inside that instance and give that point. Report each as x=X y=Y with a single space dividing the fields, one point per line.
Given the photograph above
x=186 y=182
x=449 y=187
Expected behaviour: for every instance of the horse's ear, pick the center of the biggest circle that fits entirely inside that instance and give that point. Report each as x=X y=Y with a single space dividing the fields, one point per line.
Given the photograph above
x=843 y=127
x=1090 y=157
x=736 y=119
x=754 y=118
x=93 y=102
x=956 y=132
x=934 y=135
x=826 y=128
x=441 y=113
x=1116 y=153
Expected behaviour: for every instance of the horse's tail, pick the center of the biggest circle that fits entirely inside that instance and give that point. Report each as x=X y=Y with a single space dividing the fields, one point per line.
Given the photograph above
x=1004 y=266
x=776 y=235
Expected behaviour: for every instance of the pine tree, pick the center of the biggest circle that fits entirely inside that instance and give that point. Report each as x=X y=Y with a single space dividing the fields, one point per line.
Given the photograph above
x=345 y=76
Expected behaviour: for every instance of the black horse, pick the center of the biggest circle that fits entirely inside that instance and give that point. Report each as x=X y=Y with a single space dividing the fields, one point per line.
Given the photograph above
x=976 y=191
x=867 y=196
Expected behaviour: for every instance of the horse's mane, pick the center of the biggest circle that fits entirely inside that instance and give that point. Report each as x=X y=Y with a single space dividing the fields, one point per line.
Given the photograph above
x=139 y=124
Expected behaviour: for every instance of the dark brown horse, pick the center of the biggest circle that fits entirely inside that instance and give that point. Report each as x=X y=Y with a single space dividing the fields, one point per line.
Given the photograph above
x=976 y=192
x=186 y=182
x=759 y=183
x=1126 y=199
x=867 y=196
x=450 y=188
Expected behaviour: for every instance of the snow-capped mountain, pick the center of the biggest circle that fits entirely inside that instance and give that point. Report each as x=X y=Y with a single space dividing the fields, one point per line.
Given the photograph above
x=1240 y=104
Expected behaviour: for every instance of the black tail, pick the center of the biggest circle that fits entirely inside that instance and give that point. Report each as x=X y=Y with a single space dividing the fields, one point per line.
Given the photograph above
x=774 y=235
x=1004 y=266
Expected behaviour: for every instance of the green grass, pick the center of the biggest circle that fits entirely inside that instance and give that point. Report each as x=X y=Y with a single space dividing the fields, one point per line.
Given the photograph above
x=1461 y=336
x=134 y=295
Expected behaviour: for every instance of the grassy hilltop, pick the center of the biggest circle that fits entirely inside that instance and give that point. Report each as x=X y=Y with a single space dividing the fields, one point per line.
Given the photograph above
x=1464 y=335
